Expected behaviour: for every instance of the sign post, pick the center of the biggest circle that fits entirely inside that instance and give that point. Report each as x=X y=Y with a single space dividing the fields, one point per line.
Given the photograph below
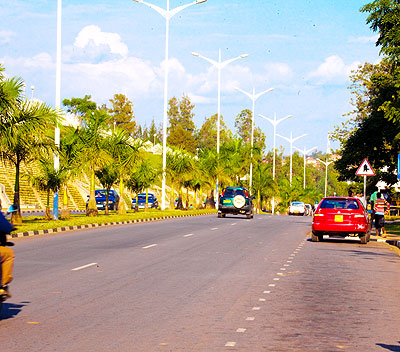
x=365 y=170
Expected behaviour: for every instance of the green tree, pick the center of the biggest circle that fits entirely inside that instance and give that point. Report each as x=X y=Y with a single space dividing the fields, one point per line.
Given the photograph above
x=48 y=180
x=24 y=131
x=181 y=130
x=80 y=107
x=95 y=155
x=107 y=176
x=122 y=114
x=207 y=136
x=243 y=123
x=368 y=133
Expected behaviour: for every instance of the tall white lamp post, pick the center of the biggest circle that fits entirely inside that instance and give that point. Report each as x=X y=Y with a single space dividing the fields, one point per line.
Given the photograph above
x=305 y=152
x=219 y=65
x=167 y=14
x=57 y=104
x=253 y=96
x=274 y=123
x=291 y=140
x=326 y=163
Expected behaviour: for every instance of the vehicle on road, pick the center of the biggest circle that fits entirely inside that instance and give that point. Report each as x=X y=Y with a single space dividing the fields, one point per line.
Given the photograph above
x=152 y=201
x=297 y=208
x=100 y=195
x=341 y=217
x=309 y=210
x=235 y=200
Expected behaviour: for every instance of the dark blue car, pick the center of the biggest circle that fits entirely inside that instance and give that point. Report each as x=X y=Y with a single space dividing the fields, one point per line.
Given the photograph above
x=152 y=201
x=100 y=195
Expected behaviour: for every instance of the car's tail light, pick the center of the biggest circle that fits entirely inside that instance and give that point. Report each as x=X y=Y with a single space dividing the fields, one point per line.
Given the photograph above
x=358 y=216
x=223 y=192
x=246 y=194
x=318 y=215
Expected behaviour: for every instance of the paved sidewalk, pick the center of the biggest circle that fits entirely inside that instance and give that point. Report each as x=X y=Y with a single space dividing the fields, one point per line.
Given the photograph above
x=390 y=238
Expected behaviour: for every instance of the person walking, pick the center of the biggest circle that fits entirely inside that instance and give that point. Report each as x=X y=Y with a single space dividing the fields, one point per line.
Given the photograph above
x=379 y=209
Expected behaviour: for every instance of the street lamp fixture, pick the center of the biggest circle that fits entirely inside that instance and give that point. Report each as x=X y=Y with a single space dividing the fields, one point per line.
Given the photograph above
x=167 y=14
x=305 y=152
x=219 y=65
x=291 y=140
x=253 y=96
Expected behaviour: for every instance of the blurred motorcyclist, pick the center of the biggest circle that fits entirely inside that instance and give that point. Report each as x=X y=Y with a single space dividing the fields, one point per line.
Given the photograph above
x=6 y=255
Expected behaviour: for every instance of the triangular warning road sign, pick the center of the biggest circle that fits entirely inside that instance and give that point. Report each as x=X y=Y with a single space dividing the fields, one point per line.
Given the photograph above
x=365 y=169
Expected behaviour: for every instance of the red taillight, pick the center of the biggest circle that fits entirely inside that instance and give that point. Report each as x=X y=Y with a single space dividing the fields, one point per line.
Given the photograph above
x=223 y=192
x=246 y=194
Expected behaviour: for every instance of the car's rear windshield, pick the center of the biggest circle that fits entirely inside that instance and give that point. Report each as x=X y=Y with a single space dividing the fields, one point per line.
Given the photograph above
x=103 y=193
x=232 y=192
x=297 y=203
x=339 y=204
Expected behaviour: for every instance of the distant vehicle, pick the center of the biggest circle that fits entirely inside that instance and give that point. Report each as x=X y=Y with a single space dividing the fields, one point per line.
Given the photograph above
x=297 y=208
x=100 y=195
x=309 y=209
x=152 y=201
x=341 y=217
x=235 y=200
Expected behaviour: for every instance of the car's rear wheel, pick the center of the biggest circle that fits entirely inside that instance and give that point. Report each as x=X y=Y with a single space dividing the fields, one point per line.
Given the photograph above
x=316 y=236
x=364 y=239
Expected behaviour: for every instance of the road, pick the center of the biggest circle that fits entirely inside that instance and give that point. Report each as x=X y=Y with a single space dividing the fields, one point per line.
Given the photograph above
x=202 y=284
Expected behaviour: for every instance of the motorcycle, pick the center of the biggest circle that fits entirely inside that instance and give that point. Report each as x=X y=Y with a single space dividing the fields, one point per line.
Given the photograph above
x=5 y=228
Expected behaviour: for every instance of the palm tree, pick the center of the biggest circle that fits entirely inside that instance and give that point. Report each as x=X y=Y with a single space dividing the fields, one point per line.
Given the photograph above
x=24 y=132
x=49 y=180
x=92 y=138
x=126 y=154
x=179 y=166
x=107 y=176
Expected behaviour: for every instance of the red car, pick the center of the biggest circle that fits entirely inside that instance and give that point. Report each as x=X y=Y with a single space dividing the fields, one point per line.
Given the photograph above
x=341 y=217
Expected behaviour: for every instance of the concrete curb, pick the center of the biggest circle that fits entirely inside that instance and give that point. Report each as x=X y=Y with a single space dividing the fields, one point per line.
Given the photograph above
x=89 y=226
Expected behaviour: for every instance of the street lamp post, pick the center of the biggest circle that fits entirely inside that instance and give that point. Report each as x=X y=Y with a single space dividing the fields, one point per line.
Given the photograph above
x=291 y=140
x=253 y=96
x=305 y=152
x=326 y=163
x=167 y=14
x=274 y=123
x=57 y=104
x=219 y=65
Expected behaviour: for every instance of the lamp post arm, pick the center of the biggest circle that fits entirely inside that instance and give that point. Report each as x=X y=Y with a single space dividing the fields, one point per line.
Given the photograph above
x=262 y=93
x=285 y=138
x=224 y=63
x=251 y=96
x=295 y=139
x=161 y=11
x=178 y=9
x=283 y=118
x=212 y=62
x=268 y=119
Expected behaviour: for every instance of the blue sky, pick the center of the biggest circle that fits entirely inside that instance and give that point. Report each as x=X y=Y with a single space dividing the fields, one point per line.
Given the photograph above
x=304 y=49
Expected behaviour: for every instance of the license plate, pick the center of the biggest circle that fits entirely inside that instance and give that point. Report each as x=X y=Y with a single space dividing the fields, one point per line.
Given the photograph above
x=227 y=201
x=338 y=218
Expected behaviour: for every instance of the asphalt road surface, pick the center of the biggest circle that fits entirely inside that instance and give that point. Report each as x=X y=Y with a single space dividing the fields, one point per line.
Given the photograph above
x=202 y=284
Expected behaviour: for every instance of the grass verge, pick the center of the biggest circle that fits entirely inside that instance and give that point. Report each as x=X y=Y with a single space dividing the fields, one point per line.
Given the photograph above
x=36 y=223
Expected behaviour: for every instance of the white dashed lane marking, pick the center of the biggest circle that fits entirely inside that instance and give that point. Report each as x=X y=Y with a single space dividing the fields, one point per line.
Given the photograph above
x=188 y=235
x=230 y=344
x=83 y=266
x=214 y=228
x=150 y=246
x=241 y=330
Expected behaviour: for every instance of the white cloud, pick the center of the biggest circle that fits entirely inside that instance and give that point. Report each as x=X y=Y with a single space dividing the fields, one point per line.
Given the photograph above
x=91 y=37
x=363 y=40
x=333 y=70
x=6 y=36
x=39 y=61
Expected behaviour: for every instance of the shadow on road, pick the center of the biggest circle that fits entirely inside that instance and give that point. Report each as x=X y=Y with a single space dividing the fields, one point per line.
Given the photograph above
x=10 y=310
x=389 y=347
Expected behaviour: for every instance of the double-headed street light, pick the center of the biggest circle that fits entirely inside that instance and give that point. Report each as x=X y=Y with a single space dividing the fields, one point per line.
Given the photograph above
x=253 y=96
x=219 y=65
x=274 y=123
x=291 y=140
x=167 y=14
x=305 y=152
